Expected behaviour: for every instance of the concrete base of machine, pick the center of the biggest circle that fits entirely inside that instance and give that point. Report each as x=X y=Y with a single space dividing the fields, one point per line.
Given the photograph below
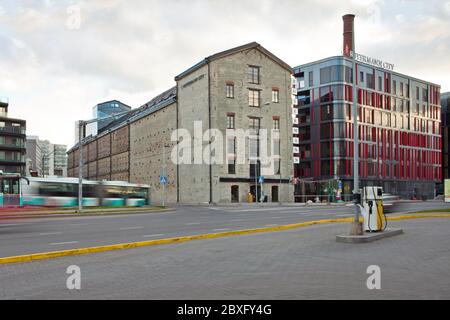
x=368 y=236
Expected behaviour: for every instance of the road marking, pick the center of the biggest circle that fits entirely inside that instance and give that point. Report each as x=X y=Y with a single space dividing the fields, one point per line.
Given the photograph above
x=223 y=229
x=77 y=224
x=12 y=224
x=344 y=215
x=153 y=235
x=131 y=228
x=276 y=217
x=62 y=243
x=270 y=225
x=193 y=223
x=49 y=233
x=236 y=220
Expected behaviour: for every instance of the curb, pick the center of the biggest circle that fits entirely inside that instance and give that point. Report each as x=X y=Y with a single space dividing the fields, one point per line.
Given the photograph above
x=72 y=215
x=130 y=245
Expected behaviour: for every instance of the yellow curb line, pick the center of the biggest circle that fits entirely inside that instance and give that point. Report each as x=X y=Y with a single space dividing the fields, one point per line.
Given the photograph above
x=121 y=246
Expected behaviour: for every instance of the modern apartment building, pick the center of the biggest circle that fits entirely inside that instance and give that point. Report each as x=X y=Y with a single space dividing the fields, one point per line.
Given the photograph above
x=245 y=88
x=399 y=127
x=45 y=158
x=12 y=141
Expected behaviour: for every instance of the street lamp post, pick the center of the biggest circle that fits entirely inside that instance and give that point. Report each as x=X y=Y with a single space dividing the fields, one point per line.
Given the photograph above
x=80 y=165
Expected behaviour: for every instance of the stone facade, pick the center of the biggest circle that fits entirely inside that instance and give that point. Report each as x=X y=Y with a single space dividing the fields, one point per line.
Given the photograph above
x=195 y=103
x=148 y=135
x=133 y=151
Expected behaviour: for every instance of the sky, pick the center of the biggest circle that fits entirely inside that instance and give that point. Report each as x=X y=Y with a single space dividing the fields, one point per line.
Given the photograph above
x=59 y=58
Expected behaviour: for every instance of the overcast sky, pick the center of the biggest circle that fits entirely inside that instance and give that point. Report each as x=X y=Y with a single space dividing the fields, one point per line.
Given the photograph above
x=54 y=67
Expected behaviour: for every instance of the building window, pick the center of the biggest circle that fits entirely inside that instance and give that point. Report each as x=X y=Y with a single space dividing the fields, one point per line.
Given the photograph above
x=232 y=166
x=230 y=121
x=276 y=124
x=253 y=74
x=394 y=87
x=230 y=90
x=380 y=83
x=276 y=147
x=277 y=166
x=417 y=93
x=253 y=98
x=401 y=89
x=275 y=95
x=231 y=150
x=424 y=95
x=311 y=78
x=361 y=76
x=253 y=123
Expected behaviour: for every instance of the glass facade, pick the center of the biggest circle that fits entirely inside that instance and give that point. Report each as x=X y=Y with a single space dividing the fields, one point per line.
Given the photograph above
x=399 y=147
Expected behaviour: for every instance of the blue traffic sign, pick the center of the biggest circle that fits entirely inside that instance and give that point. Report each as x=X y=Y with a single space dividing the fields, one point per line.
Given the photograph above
x=261 y=179
x=163 y=180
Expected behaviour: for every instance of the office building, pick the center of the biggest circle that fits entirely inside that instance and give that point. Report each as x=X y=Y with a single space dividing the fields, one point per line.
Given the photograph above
x=399 y=120
x=45 y=159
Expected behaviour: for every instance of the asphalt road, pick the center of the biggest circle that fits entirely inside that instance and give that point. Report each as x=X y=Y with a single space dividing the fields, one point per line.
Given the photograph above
x=304 y=263
x=19 y=237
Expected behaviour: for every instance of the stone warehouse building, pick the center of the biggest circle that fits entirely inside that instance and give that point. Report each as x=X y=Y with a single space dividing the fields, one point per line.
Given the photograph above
x=245 y=88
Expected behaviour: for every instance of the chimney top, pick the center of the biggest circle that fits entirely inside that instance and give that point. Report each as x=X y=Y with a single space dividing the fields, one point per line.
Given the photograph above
x=348 y=34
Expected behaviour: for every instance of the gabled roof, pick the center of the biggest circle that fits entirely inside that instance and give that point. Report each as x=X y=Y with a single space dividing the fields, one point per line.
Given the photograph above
x=248 y=46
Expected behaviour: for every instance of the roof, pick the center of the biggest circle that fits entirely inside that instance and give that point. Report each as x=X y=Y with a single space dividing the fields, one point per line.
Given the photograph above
x=107 y=102
x=344 y=58
x=166 y=95
x=248 y=46
x=158 y=102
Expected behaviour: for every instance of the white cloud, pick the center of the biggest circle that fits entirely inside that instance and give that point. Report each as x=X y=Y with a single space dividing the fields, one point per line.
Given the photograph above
x=131 y=50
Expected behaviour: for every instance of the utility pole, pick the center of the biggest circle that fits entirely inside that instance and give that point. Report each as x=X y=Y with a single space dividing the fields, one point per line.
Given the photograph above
x=163 y=174
x=80 y=165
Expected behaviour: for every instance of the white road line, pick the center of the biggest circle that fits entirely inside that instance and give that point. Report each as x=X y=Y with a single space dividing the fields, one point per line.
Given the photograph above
x=153 y=235
x=276 y=217
x=344 y=215
x=61 y=243
x=12 y=224
x=223 y=229
x=271 y=225
x=236 y=220
x=131 y=228
x=193 y=223
x=77 y=224
x=49 y=233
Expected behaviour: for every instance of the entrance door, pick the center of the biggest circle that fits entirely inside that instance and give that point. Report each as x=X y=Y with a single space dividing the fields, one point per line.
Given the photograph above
x=252 y=191
x=275 y=194
x=234 y=193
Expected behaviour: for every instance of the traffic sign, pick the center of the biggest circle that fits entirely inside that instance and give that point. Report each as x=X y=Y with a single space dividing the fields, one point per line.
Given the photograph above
x=163 y=180
x=260 y=179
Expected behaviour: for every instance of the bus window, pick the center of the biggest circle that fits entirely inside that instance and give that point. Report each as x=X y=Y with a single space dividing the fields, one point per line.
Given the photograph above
x=10 y=186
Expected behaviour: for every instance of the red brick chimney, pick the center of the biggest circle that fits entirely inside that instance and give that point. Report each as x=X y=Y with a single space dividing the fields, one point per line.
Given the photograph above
x=348 y=33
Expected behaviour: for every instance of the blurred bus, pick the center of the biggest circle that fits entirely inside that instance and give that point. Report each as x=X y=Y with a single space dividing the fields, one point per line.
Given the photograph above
x=11 y=189
x=63 y=192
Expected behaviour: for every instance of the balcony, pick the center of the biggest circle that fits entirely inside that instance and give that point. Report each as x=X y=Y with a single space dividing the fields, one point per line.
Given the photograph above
x=4 y=101
x=13 y=130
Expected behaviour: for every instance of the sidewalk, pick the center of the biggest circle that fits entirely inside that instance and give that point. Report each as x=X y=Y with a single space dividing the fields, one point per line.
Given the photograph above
x=71 y=212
